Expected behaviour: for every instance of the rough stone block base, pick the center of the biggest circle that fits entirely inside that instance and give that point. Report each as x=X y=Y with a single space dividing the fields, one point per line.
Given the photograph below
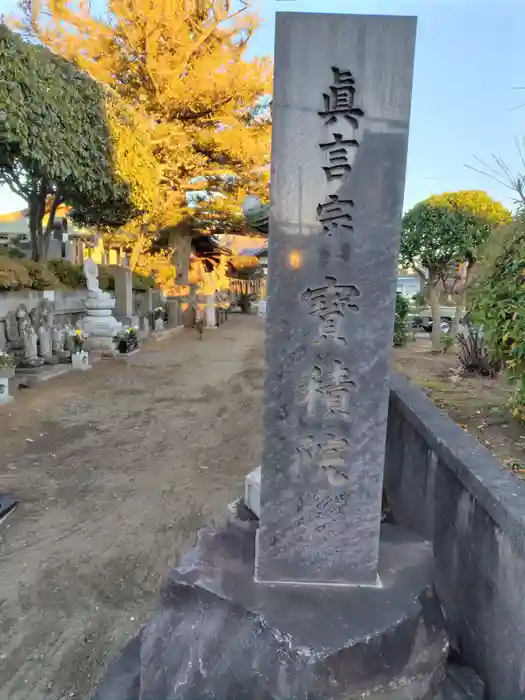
x=220 y=636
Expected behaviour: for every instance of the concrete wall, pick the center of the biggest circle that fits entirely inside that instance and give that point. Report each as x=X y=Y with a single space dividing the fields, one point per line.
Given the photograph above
x=445 y=485
x=65 y=302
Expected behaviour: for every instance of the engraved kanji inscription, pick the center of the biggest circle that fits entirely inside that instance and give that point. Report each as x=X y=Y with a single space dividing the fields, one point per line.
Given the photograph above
x=340 y=156
x=327 y=456
x=333 y=386
x=329 y=303
x=335 y=213
x=328 y=386
x=340 y=101
x=328 y=507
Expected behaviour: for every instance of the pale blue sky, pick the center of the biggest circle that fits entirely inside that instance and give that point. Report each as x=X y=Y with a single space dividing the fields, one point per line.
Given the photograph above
x=470 y=58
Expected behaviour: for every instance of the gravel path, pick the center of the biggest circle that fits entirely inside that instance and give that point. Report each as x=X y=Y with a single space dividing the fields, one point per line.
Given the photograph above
x=116 y=471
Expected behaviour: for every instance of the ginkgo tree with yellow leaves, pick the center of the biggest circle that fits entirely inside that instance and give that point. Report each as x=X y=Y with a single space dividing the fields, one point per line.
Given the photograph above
x=181 y=66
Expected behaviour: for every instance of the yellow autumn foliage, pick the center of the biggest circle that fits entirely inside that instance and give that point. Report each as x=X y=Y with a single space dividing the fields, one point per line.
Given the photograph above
x=476 y=202
x=180 y=67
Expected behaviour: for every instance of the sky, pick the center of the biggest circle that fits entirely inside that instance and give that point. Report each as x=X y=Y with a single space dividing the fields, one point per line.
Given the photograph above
x=466 y=103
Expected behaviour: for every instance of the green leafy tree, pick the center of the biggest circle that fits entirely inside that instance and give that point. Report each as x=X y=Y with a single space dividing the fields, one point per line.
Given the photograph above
x=57 y=144
x=442 y=235
x=498 y=305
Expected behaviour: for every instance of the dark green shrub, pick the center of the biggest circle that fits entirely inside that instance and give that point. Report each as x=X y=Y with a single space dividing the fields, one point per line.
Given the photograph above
x=400 y=324
x=68 y=273
x=106 y=280
x=41 y=276
x=141 y=283
x=13 y=275
x=15 y=253
x=498 y=306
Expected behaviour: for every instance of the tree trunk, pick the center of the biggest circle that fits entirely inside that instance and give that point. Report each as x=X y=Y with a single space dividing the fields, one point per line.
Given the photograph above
x=42 y=248
x=37 y=208
x=460 y=311
x=136 y=250
x=50 y=225
x=181 y=256
x=436 y=315
x=34 y=207
x=462 y=298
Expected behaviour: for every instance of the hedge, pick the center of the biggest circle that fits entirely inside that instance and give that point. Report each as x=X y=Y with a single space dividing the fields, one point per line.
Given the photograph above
x=25 y=274
x=13 y=274
x=58 y=275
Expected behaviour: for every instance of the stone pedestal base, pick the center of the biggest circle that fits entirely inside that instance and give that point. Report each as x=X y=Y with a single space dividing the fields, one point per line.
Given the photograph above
x=102 y=346
x=30 y=377
x=220 y=636
x=100 y=327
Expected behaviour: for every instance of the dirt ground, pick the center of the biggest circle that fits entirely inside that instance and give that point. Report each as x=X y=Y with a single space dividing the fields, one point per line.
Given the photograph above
x=477 y=404
x=116 y=471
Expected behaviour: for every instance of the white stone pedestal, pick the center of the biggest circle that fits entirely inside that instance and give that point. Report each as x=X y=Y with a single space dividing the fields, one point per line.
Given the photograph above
x=99 y=324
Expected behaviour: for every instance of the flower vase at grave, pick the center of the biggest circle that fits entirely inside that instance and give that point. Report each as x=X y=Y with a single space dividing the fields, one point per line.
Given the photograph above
x=127 y=341
x=80 y=360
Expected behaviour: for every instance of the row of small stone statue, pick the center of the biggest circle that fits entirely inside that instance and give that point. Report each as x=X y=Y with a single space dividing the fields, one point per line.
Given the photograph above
x=35 y=339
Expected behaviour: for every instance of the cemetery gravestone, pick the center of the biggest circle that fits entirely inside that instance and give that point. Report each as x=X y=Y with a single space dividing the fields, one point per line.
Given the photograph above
x=123 y=292
x=338 y=170
x=172 y=308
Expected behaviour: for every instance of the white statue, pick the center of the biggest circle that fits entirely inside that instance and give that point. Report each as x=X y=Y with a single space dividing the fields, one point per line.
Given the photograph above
x=31 y=346
x=91 y=274
x=44 y=338
x=57 y=339
x=98 y=323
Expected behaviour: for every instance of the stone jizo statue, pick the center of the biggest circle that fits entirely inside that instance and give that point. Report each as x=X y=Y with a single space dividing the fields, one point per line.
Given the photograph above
x=91 y=274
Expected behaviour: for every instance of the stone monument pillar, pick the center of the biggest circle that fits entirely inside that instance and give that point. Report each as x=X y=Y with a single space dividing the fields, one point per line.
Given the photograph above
x=99 y=325
x=339 y=148
x=123 y=292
